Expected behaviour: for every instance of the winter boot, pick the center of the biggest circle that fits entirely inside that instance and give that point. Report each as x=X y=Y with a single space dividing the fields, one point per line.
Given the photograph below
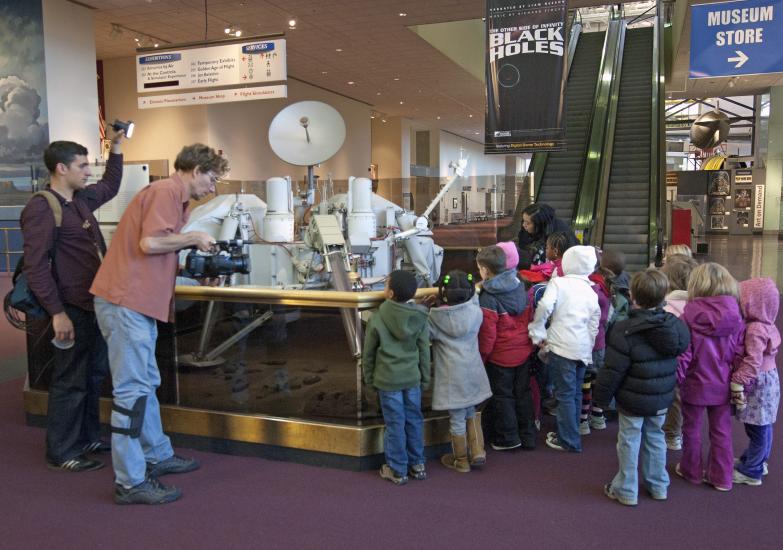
x=478 y=456
x=458 y=460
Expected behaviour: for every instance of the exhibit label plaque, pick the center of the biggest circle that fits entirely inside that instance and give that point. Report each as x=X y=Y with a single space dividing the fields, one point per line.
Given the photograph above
x=253 y=62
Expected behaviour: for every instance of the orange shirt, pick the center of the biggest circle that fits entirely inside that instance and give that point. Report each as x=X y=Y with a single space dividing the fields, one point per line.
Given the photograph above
x=130 y=278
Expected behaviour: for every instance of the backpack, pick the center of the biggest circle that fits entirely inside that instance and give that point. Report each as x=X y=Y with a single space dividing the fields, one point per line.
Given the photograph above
x=20 y=299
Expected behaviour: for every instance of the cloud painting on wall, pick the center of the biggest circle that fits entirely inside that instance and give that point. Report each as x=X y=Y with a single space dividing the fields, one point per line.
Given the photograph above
x=24 y=129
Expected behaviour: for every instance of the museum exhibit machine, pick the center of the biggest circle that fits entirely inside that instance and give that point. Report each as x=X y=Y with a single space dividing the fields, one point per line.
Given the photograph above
x=264 y=356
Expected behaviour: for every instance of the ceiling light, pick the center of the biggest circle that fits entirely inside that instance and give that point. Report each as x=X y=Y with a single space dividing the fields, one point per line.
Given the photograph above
x=351 y=82
x=396 y=78
x=136 y=39
x=402 y=102
x=155 y=45
x=403 y=14
x=324 y=73
x=437 y=117
x=377 y=93
x=227 y=30
x=477 y=133
x=238 y=33
x=383 y=120
x=338 y=49
x=291 y=23
x=470 y=115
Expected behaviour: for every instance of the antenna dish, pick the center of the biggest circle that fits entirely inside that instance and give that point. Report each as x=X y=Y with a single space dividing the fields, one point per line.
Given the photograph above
x=307 y=133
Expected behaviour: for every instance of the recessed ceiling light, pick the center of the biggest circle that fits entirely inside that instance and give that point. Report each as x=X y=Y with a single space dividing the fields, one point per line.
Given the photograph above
x=477 y=133
x=338 y=49
x=292 y=23
x=403 y=14
x=351 y=82
x=238 y=33
x=383 y=120
x=377 y=93
x=396 y=78
x=402 y=102
x=227 y=30
x=470 y=115
x=324 y=72
x=437 y=117
x=156 y=45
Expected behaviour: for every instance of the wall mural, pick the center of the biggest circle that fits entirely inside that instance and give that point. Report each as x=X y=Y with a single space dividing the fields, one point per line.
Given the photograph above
x=24 y=128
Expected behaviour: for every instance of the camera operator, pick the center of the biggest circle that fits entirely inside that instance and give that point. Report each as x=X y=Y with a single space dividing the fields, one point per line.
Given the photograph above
x=134 y=289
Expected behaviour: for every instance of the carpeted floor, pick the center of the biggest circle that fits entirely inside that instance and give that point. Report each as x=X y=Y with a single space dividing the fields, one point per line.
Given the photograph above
x=539 y=499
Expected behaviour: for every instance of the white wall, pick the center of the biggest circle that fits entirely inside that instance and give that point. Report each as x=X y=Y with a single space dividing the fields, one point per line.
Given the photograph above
x=71 y=77
x=240 y=129
x=479 y=164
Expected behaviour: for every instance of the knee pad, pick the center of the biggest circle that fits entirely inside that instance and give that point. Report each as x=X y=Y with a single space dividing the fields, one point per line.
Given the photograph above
x=136 y=415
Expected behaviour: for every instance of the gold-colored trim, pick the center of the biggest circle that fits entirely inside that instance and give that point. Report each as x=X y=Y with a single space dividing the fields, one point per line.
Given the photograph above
x=300 y=298
x=346 y=440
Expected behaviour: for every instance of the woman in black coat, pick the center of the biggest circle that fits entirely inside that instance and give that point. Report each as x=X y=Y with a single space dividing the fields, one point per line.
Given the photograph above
x=538 y=222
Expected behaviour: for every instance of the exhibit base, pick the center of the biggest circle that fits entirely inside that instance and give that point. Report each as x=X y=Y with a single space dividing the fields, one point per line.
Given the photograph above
x=335 y=445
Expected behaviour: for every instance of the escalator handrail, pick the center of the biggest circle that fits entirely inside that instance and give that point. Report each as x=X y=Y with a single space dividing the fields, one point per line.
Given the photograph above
x=657 y=159
x=584 y=206
x=596 y=233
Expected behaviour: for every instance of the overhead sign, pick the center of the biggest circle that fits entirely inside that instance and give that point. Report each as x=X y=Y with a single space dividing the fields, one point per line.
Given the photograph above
x=525 y=76
x=254 y=62
x=736 y=38
x=212 y=96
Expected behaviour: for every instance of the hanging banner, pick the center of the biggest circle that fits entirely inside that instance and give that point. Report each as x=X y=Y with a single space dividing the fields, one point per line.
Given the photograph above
x=525 y=64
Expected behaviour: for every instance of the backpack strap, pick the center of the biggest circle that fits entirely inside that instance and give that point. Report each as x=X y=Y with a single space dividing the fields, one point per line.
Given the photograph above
x=54 y=204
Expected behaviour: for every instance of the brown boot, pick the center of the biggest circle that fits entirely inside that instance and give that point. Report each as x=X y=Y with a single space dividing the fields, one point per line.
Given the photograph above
x=458 y=460
x=478 y=456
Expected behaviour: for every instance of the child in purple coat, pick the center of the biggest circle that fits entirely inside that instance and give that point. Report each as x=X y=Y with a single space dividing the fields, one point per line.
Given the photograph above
x=755 y=385
x=704 y=371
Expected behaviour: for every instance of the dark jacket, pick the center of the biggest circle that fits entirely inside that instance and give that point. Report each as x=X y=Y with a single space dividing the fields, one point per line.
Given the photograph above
x=532 y=248
x=503 y=338
x=76 y=257
x=396 y=354
x=641 y=362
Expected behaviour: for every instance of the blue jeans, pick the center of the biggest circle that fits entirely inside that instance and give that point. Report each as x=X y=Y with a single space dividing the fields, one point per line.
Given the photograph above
x=131 y=337
x=403 y=439
x=760 y=445
x=458 y=420
x=640 y=435
x=567 y=374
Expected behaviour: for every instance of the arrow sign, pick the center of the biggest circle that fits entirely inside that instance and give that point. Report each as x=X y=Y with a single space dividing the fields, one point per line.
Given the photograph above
x=740 y=59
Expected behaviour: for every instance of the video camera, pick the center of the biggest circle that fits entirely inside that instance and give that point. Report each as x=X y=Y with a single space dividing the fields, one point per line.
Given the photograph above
x=228 y=259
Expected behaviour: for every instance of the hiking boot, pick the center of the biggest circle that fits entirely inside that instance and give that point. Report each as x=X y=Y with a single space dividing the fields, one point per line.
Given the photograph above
x=418 y=472
x=175 y=464
x=149 y=491
x=387 y=473
x=78 y=464
x=97 y=447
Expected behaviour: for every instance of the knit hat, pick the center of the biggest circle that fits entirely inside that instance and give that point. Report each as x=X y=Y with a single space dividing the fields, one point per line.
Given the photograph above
x=512 y=254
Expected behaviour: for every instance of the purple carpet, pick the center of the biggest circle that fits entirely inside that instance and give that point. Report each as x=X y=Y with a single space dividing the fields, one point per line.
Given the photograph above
x=540 y=499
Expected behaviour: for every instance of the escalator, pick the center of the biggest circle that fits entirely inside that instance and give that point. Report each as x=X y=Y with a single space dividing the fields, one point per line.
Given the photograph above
x=629 y=210
x=562 y=170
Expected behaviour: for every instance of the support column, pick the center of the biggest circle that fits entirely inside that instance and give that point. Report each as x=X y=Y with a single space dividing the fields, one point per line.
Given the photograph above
x=774 y=162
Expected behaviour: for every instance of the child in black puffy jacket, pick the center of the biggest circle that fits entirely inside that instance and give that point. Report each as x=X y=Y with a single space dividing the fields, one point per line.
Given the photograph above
x=640 y=373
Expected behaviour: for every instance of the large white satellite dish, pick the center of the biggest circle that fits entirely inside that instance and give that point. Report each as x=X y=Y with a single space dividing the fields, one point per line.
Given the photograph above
x=307 y=133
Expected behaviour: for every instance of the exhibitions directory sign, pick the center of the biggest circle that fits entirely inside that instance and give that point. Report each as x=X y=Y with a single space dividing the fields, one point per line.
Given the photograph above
x=736 y=38
x=525 y=76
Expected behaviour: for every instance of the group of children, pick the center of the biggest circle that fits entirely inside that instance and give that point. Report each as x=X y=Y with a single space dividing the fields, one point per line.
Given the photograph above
x=661 y=348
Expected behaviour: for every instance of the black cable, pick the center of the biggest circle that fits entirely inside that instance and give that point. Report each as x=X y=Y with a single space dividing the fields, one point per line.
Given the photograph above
x=206 y=21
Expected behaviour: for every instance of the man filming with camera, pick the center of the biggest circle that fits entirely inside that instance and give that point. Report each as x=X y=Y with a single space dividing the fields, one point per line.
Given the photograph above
x=134 y=289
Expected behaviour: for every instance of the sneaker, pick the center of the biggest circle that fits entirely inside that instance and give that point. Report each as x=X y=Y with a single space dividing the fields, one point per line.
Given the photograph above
x=417 y=472
x=97 y=447
x=175 y=464
x=387 y=473
x=584 y=427
x=553 y=442
x=504 y=447
x=597 y=422
x=149 y=491
x=79 y=464
x=674 y=443
x=609 y=492
x=764 y=466
x=706 y=480
x=678 y=471
x=657 y=496
x=740 y=478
